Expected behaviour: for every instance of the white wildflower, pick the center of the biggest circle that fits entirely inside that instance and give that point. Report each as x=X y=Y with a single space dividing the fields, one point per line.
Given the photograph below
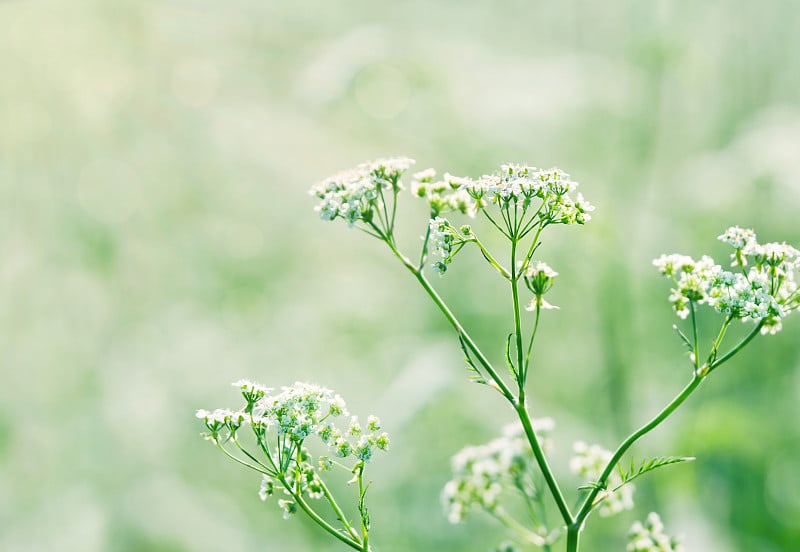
x=649 y=537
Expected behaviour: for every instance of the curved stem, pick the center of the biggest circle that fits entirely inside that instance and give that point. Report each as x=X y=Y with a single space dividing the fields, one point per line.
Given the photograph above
x=738 y=346
x=317 y=519
x=424 y=253
x=491 y=259
x=239 y=460
x=503 y=517
x=494 y=223
x=586 y=507
x=337 y=509
x=500 y=384
x=695 y=341
x=253 y=458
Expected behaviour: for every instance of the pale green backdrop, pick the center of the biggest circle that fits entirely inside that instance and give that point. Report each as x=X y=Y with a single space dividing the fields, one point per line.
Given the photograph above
x=157 y=243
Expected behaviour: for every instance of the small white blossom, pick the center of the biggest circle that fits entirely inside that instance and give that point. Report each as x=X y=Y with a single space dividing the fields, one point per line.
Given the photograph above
x=354 y=194
x=766 y=292
x=649 y=537
x=481 y=472
x=539 y=278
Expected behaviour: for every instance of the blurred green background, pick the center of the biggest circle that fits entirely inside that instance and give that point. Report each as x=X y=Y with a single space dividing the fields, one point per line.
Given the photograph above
x=157 y=243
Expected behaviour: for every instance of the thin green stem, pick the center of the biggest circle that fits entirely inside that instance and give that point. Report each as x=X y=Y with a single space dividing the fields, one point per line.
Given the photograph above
x=695 y=341
x=533 y=335
x=490 y=258
x=532 y=248
x=239 y=460
x=337 y=509
x=738 y=346
x=385 y=218
x=448 y=314
x=363 y=511
x=424 y=253
x=352 y=543
x=258 y=462
x=394 y=207
x=517 y=318
x=541 y=460
x=588 y=502
x=503 y=517
x=494 y=223
x=712 y=355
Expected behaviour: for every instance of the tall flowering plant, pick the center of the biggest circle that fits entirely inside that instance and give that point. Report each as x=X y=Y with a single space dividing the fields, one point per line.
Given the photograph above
x=518 y=202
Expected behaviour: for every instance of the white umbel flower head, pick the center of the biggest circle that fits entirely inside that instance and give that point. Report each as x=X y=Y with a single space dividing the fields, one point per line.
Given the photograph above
x=649 y=537
x=480 y=473
x=766 y=292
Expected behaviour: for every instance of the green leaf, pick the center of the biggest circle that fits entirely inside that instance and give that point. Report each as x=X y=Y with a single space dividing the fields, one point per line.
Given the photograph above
x=508 y=356
x=475 y=375
x=683 y=338
x=647 y=466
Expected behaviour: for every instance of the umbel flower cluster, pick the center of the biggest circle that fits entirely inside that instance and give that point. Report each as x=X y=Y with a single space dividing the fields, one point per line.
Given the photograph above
x=649 y=537
x=481 y=474
x=513 y=185
x=354 y=194
x=278 y=425
x=760 y=287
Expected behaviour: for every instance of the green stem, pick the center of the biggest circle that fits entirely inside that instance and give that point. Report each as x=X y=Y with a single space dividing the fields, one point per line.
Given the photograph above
x=532 y=248
x=426 y=285
x=519 y=403
x=253 y=458
x=490 y=258
x=317 y=519
x=337 y=509
x=517 y=319
x=503 y=517
x=696 y=343
x=424 y=253
x=541 y=460
x=588 y=502
x=573 y=537
x=739 y=346
x=239 y=460
x=494 y=223
x=533 y=335
x=362 y=510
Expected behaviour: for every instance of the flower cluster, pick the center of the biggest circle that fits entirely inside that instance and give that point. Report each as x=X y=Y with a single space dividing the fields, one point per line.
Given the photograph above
x=481 y=472
x=519 y=185
x=589 y=462
x=446 y=195
x=767 y=291
x=356 y=194
x=280 y=423
x=649 y=537
x=539 y=278
x=445 y=241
